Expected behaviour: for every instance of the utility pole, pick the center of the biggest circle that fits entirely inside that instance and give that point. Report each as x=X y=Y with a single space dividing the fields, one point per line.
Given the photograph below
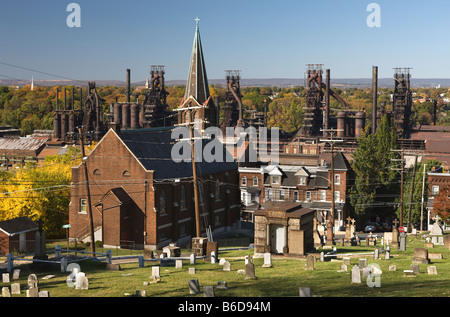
x=88 y=193
x=330 y=225
x=194 y=174
x=402 y=170
x=423 y=190
x=411 y=195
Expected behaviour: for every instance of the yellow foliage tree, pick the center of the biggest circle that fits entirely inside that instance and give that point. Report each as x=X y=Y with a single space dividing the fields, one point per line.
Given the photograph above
x=40 y=192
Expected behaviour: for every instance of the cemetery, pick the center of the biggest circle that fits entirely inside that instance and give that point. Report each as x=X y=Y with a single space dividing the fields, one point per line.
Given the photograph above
x=366 y=269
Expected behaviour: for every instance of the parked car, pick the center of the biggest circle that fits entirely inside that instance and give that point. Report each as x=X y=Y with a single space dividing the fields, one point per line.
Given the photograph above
x=385 y=227
x=372 y=227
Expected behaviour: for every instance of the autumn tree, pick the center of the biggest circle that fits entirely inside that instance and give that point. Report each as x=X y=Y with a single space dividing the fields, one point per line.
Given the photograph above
x=441 y=204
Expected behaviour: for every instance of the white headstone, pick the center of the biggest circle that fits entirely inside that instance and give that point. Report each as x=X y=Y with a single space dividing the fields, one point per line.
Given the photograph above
x=432 y=270
x=267 y=260
x=356 y=274
x=5 y=278
x=156 y=271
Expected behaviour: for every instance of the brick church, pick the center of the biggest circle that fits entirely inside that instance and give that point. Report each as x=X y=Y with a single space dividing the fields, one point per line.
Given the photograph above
x=141 y=198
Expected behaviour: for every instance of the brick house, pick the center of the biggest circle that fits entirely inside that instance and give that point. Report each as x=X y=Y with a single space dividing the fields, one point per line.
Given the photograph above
x=438 y=179
x=141 y=198
x=310 y=185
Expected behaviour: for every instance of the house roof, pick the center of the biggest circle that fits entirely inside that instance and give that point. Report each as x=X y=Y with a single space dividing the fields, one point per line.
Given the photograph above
x=18 y=225
x=153 y=149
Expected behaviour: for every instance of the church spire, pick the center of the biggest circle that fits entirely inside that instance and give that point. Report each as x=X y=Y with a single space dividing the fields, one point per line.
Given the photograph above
x=197 y=82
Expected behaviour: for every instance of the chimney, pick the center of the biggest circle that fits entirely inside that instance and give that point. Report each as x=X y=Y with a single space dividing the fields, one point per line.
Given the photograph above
x=128 y=86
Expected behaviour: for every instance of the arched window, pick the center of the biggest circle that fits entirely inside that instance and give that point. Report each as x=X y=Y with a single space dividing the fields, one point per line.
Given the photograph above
x=244 y=181
x=255 y=181
x=126 y=174
x=183 y=198
x=162 y=203
x=97 y=172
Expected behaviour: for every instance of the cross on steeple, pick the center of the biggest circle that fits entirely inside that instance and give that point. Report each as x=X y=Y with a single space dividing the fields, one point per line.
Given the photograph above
x=196 y=21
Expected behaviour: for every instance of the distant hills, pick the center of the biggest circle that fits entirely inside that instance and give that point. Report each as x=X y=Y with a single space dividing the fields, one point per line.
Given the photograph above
x=246 y=82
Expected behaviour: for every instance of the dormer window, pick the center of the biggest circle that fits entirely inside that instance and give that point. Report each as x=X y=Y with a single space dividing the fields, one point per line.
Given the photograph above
x=276 y=179
x=302 y=180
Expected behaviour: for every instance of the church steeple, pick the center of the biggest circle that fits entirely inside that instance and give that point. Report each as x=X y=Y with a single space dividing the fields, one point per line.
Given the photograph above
x=197 y=82
x=197 y=105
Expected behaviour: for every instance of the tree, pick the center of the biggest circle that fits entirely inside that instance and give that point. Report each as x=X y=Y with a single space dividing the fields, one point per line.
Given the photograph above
x=441 y=204
x=40 y=192
x=374 y=179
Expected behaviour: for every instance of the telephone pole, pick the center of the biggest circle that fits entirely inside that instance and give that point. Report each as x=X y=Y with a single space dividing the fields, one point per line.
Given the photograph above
x=88 y=193
x=423 y=190
x=411 y=195
x=331 y=224
x=402 y=171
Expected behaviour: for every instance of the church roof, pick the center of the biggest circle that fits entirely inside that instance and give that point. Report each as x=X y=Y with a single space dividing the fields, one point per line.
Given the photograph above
x=197 y=82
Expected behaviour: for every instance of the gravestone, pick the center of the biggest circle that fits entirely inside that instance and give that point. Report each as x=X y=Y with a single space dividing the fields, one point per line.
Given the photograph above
x=208 y=291
x=212 y=246
x=250 y=271
x=409 y=273
x=227 y=266
x=387 y=255
x=392 y=267
x=222 y=285
x=322 y=257
x=81 y=281
x=156 y=271
x=365 y=272
x=172 y=250
x=310 y=262
x=5 y=278
x=402 y=242
x=356 y=274
x=432 y=270
x=15 y=288
x=222 y=261
x=141 y=293
x=32 y=281
x=395 y=232
x=248 y=259
x=267 y=260
x=16 y=274
x=376 y=254
x=420 y=256
x=194 y=287
x=192 y=259
x=43 y=294
x=6 y=292
x=343 y=268
x=178 y=264
x=435 y=256
x=346 y=260
x=436 y=233
x=241 y=272
x=192 y=270
x=362 y=263
x=415 y=268
x=304 y=291
x=213 y=257
x=33 y=292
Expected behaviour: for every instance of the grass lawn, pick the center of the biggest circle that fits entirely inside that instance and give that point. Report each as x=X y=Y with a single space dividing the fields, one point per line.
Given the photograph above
x=282 y=280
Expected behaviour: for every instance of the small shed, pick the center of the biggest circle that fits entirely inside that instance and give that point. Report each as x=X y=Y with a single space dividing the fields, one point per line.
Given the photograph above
x=284 y=228
x=17 y=234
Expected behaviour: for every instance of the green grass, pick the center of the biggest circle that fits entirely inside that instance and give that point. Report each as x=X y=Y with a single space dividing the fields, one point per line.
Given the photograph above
x=282 y=280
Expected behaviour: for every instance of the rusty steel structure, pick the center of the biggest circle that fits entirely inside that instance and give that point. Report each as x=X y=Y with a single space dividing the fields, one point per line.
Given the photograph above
x=92 y=123
x=233 y=109
x=317 y=99
x=154 y=105
x=402 y=102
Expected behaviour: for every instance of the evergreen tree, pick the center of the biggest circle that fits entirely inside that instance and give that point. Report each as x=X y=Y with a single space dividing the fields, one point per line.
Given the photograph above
x=375 y=182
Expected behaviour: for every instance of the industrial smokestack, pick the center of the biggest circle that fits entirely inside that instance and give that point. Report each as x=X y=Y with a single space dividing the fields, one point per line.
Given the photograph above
x=374 y=98
x=128 y=86
x=327 y=104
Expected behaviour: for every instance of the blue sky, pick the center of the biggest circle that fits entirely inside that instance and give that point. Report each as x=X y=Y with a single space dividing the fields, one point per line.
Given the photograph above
x=263 y=39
